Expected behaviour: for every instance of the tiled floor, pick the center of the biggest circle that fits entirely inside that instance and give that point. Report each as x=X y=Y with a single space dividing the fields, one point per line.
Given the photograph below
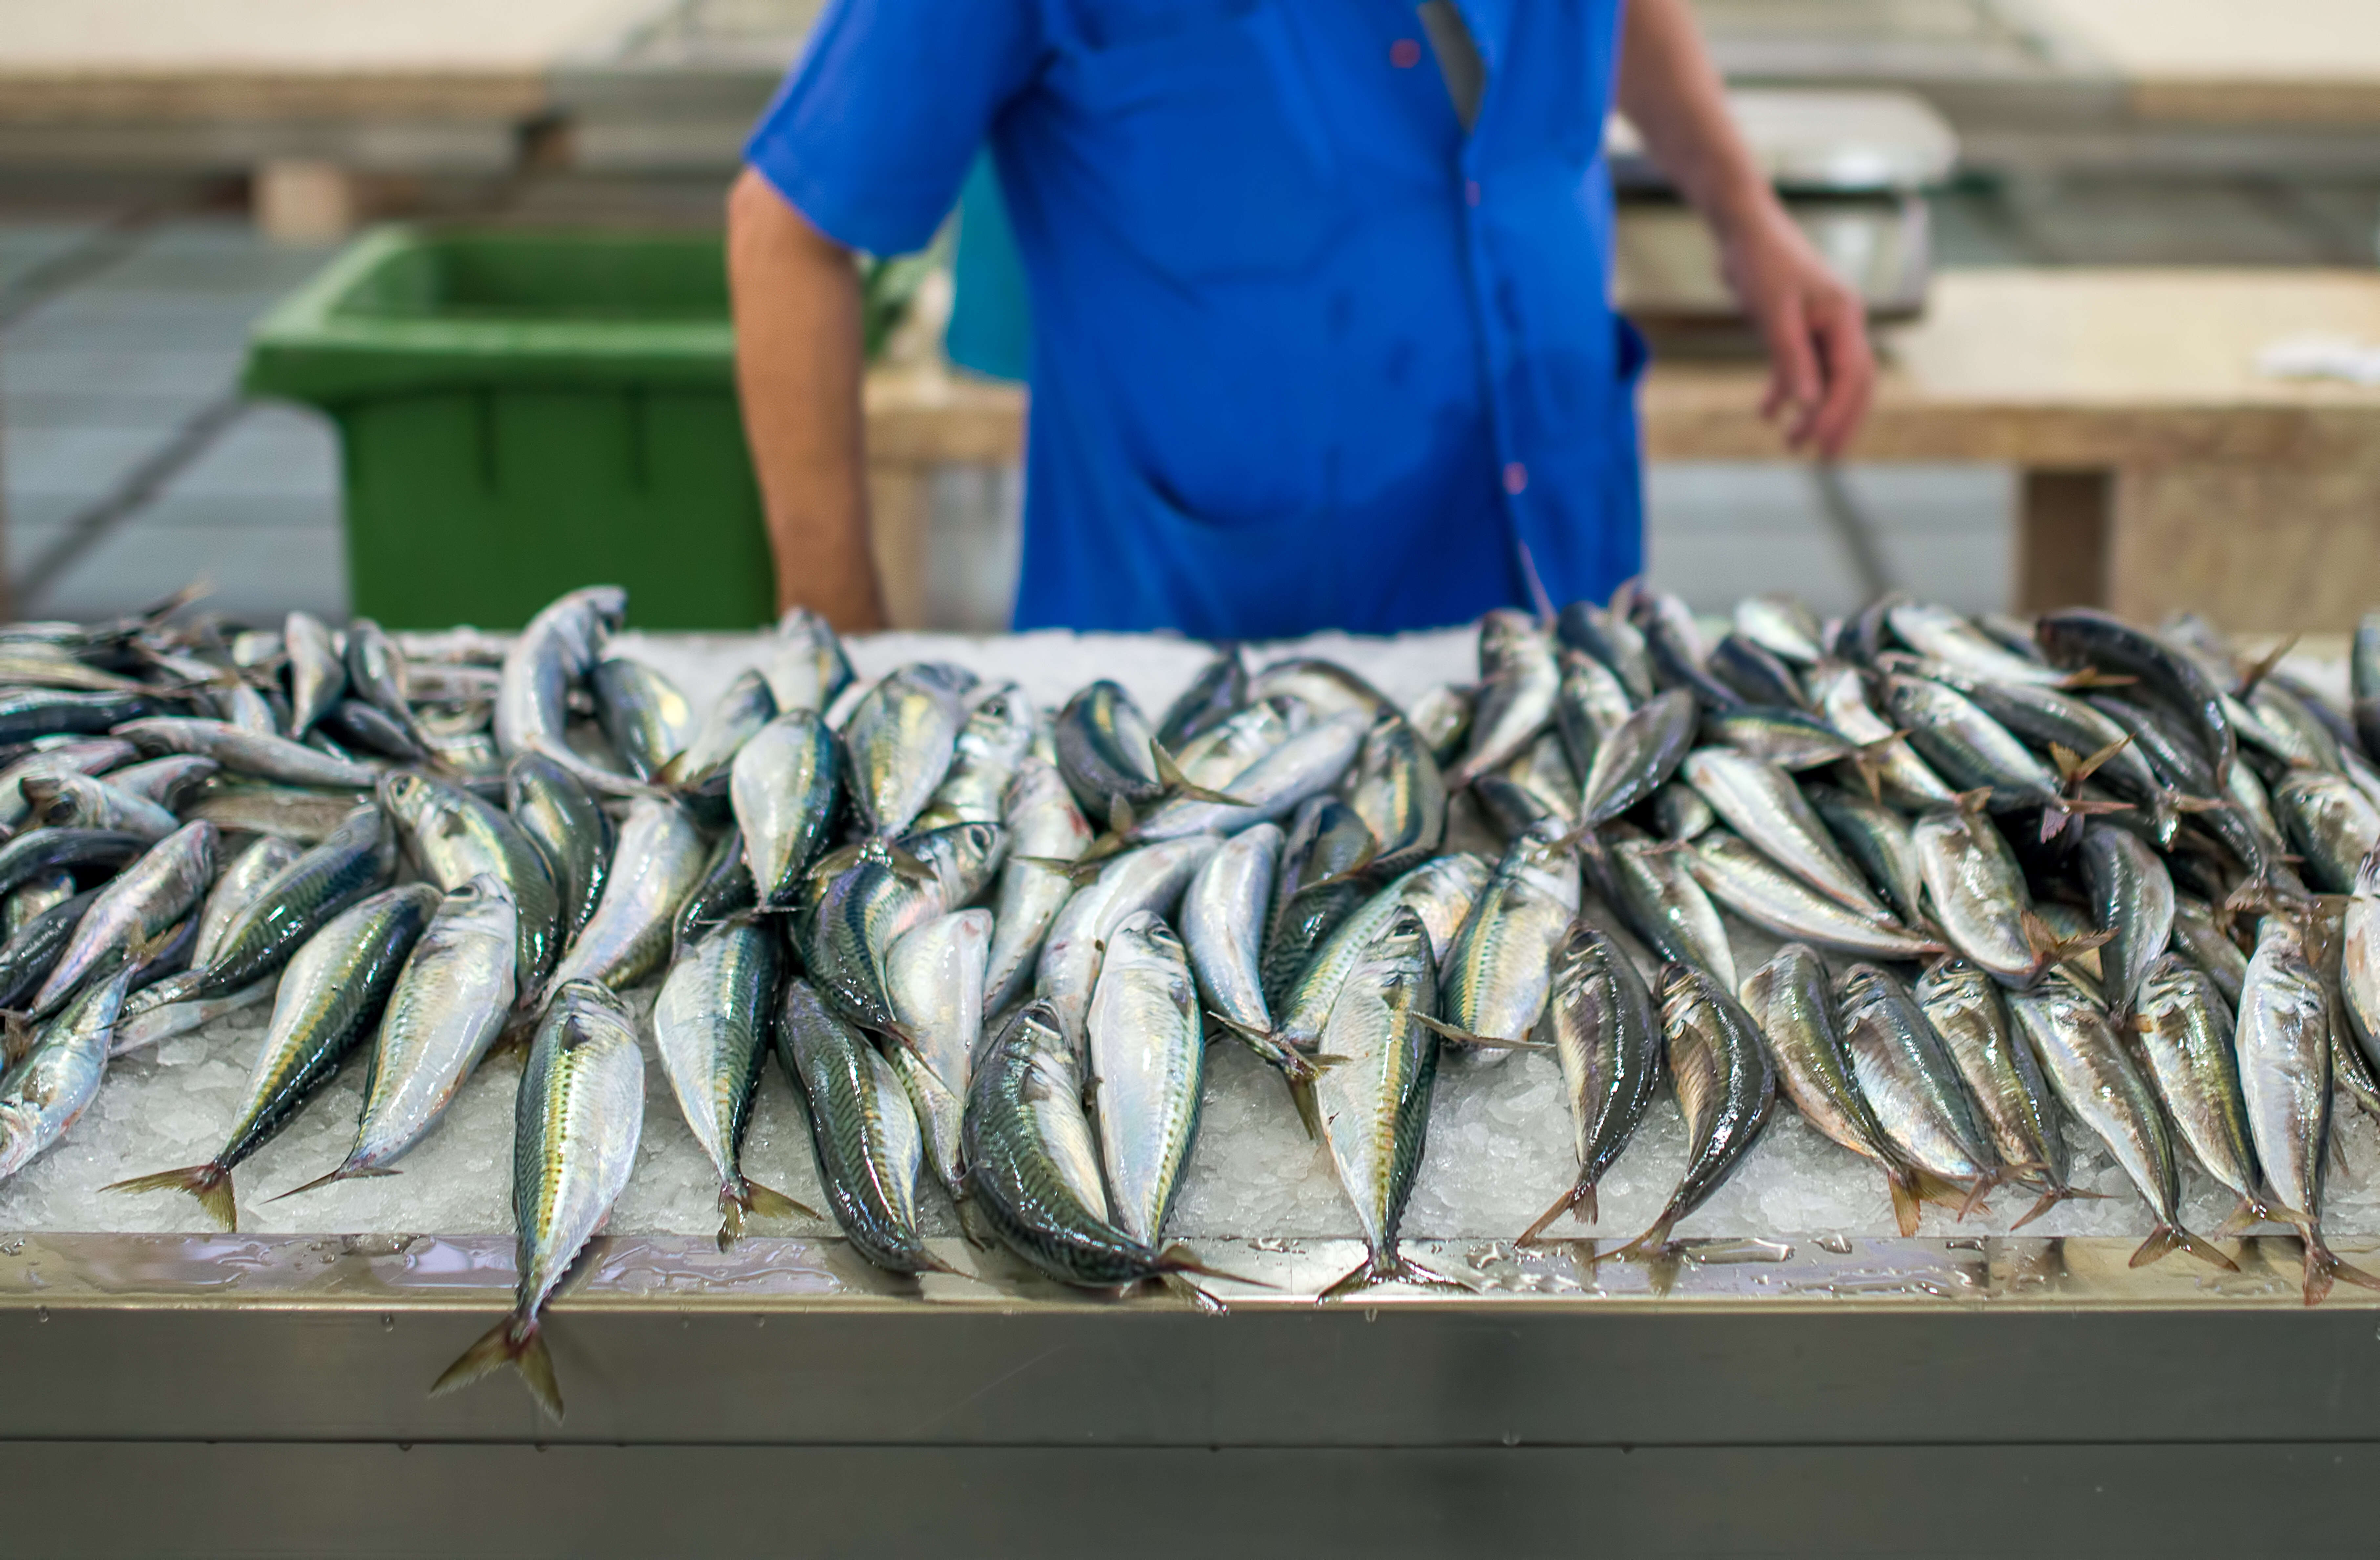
x=130 y=467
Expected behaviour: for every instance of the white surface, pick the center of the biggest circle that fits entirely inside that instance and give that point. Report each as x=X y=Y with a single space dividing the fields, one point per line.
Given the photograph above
x=195 y=37
x=1499 y=1149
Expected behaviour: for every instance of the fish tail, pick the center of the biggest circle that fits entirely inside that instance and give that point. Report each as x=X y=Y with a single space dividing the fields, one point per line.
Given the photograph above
x=1180 y=1258
x=767 y=1202
x=1645 y=1245
x=2252 y=1212
x=1479 y=1041
x=2168 y=1237
x=1582 y=1193
x=1309 y=1108
x=2323 y=1267
x=1170 y=774
x=2051 y=1198
x=350 y=1171
x=516 y=1342
x=210 y=1183
x=1908 y=1198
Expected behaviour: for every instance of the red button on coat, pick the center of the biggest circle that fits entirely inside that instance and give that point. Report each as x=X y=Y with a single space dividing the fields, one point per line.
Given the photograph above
x=1404 y=53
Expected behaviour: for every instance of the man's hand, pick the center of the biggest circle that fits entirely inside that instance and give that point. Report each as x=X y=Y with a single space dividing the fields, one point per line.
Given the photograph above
x=1813 y=324
x=1821 y=371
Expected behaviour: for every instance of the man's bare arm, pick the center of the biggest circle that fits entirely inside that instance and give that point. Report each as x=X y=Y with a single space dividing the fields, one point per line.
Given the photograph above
x=798 y=363
x=1813 y=325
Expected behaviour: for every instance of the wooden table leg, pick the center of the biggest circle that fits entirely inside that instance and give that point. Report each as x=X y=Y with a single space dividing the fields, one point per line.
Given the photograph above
x=2264 y=546
x=2064 y=521
x=900 y=506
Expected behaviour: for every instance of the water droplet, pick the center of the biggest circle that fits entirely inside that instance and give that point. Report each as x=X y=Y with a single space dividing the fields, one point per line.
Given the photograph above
x=1371 y=1313
x=40 y=1313
x=387 y=1322
x=1512 y=1438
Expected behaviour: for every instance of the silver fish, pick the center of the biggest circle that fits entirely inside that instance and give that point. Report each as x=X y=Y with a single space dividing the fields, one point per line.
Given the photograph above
x=163 y=781
x=1495 y=976
x=863 y=1128
x=1047 y=830
x=135 y=1031
x=557 y=649
x=2004 y=1081
x=2131 y=899
x=807 y=669
x=1441 y=718
x=1638 y=757
x=862 y=909
x=1601 y=1022
x=575 y=1128
x=998 y=733
x=2100 y=1088
x=1947 y=636
x=1725 y=1086
x=1148 y=1069
x=1765 y=806
x=247 y=752
x=1237 y=741
x=89 y=755
x=642 y=712
x=570 y=831
x=1905 y=782
x=1397 y=791
x=454 y=836
x=37 y=897
x=1222 y=924
x=1440 y=892
x=655 y=866
x=2283 y=1043
x=2359 y=977
x=782 y=791
x=43 y=1093
x=318 y=674
x=450 y=1000
x=934 y=975
x=741 y=711
x=1747 y=881
x=1654 y=890
x=1308 y=763
x=2333 y=825
x=77 y=801
x=2185 y=1042
x=2196 y=934
x=138 y=909
x=241 y=881
x=1781 y=626
x=1591 y=705
x=1375 y=1102
x=711 y=1024
x=1979 y=895
x=1518 y=681
x=1153 y=877
x=899 y=743
x=1907 y=1076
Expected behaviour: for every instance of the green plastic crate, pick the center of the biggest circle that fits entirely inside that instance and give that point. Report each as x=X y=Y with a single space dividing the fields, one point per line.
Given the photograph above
x=524 y=412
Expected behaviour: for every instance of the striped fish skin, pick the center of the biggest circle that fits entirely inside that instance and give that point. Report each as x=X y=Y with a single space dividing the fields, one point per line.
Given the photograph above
x=899 y=743
x=558 y=649
x=1440 y=892
x=712 y=1026
x=1782 y=626
x=1600 y=1021
x=1877 y=839
x=934 y=975
x=90 y=755
x=146 y=900
x=1518 y=680
x=1398 y=791
x=1906 y=1075
x=2132 y=899
x=1308 y=764
x=2196 y=934
x=1045 y=826
x=2185 y=1041
x=1153 y=877
x=449 y=1001
x=1947 y=636
x=454 y=836
x=1374 y=1102
x=47 y=1088
x=998 y=733
x=1214 y=695
x=241 y=880
x=2084 y=636
x=864 y=1129
x=30 y=901
x=2332 y=823
x=1979 y=894
x=1495 y=976
x=1752 y=884
x=743 y=709
x=807 y=669
x=1224 y=749
x=2004 y=1082
x=572 y=832
x=1840 y=695
x=331 y=996
x=358 y=857
x=726 y=889
x=655 y=866
x=2096 y=1080
x=1792 y=1002
x=782 y=789
x=576 y=1124
x=1726 y=1087
x=1148 y=1069
x=871 y=903
x=1033 y=1162
x=1763 y=805
x=1662 y=901
x=1222 y=926
x=1324 y=870
x=1591 y=705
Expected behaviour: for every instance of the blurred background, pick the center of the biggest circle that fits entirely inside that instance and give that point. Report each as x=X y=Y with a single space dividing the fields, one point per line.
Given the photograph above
x=172 y=171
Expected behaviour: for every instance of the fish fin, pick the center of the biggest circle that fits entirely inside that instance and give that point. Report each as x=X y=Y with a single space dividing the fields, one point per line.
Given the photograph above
x=21 y=1035
x=2338 y=1153
x=510 y=1342
x=1977 y=800
x=906 y=863
x=1649 y=1244
x=1908 y=1203
x=1353 y=872
x=1179 y=1258
x=349 y=1172
x=2090 y=677
x=2257 y=671
x=767 y=1202
x=1309 y=1108
x=842 y=858
x=1479 y=1041
x=1584 y=1192
x=596 y=779
x=1079 y=870
x=2074 y=770
x=2323 y=1268
x=2051 y=1199
x=210 y=1183
x=2050 y=950
x=1972 y=1196
x=2168 y=1237
x=2252 y=1212
x=1178 y=783
x=1200 y=1300
x=1390 y=1267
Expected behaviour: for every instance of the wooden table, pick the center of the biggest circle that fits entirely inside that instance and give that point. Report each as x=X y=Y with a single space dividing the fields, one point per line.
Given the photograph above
x=2159 y=470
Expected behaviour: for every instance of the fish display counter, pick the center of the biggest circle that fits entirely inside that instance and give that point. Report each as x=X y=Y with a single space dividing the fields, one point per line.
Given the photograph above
x=891 y=1368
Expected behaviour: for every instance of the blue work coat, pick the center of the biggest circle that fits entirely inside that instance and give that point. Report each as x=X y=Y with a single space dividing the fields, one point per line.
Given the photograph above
x=1307 y=353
